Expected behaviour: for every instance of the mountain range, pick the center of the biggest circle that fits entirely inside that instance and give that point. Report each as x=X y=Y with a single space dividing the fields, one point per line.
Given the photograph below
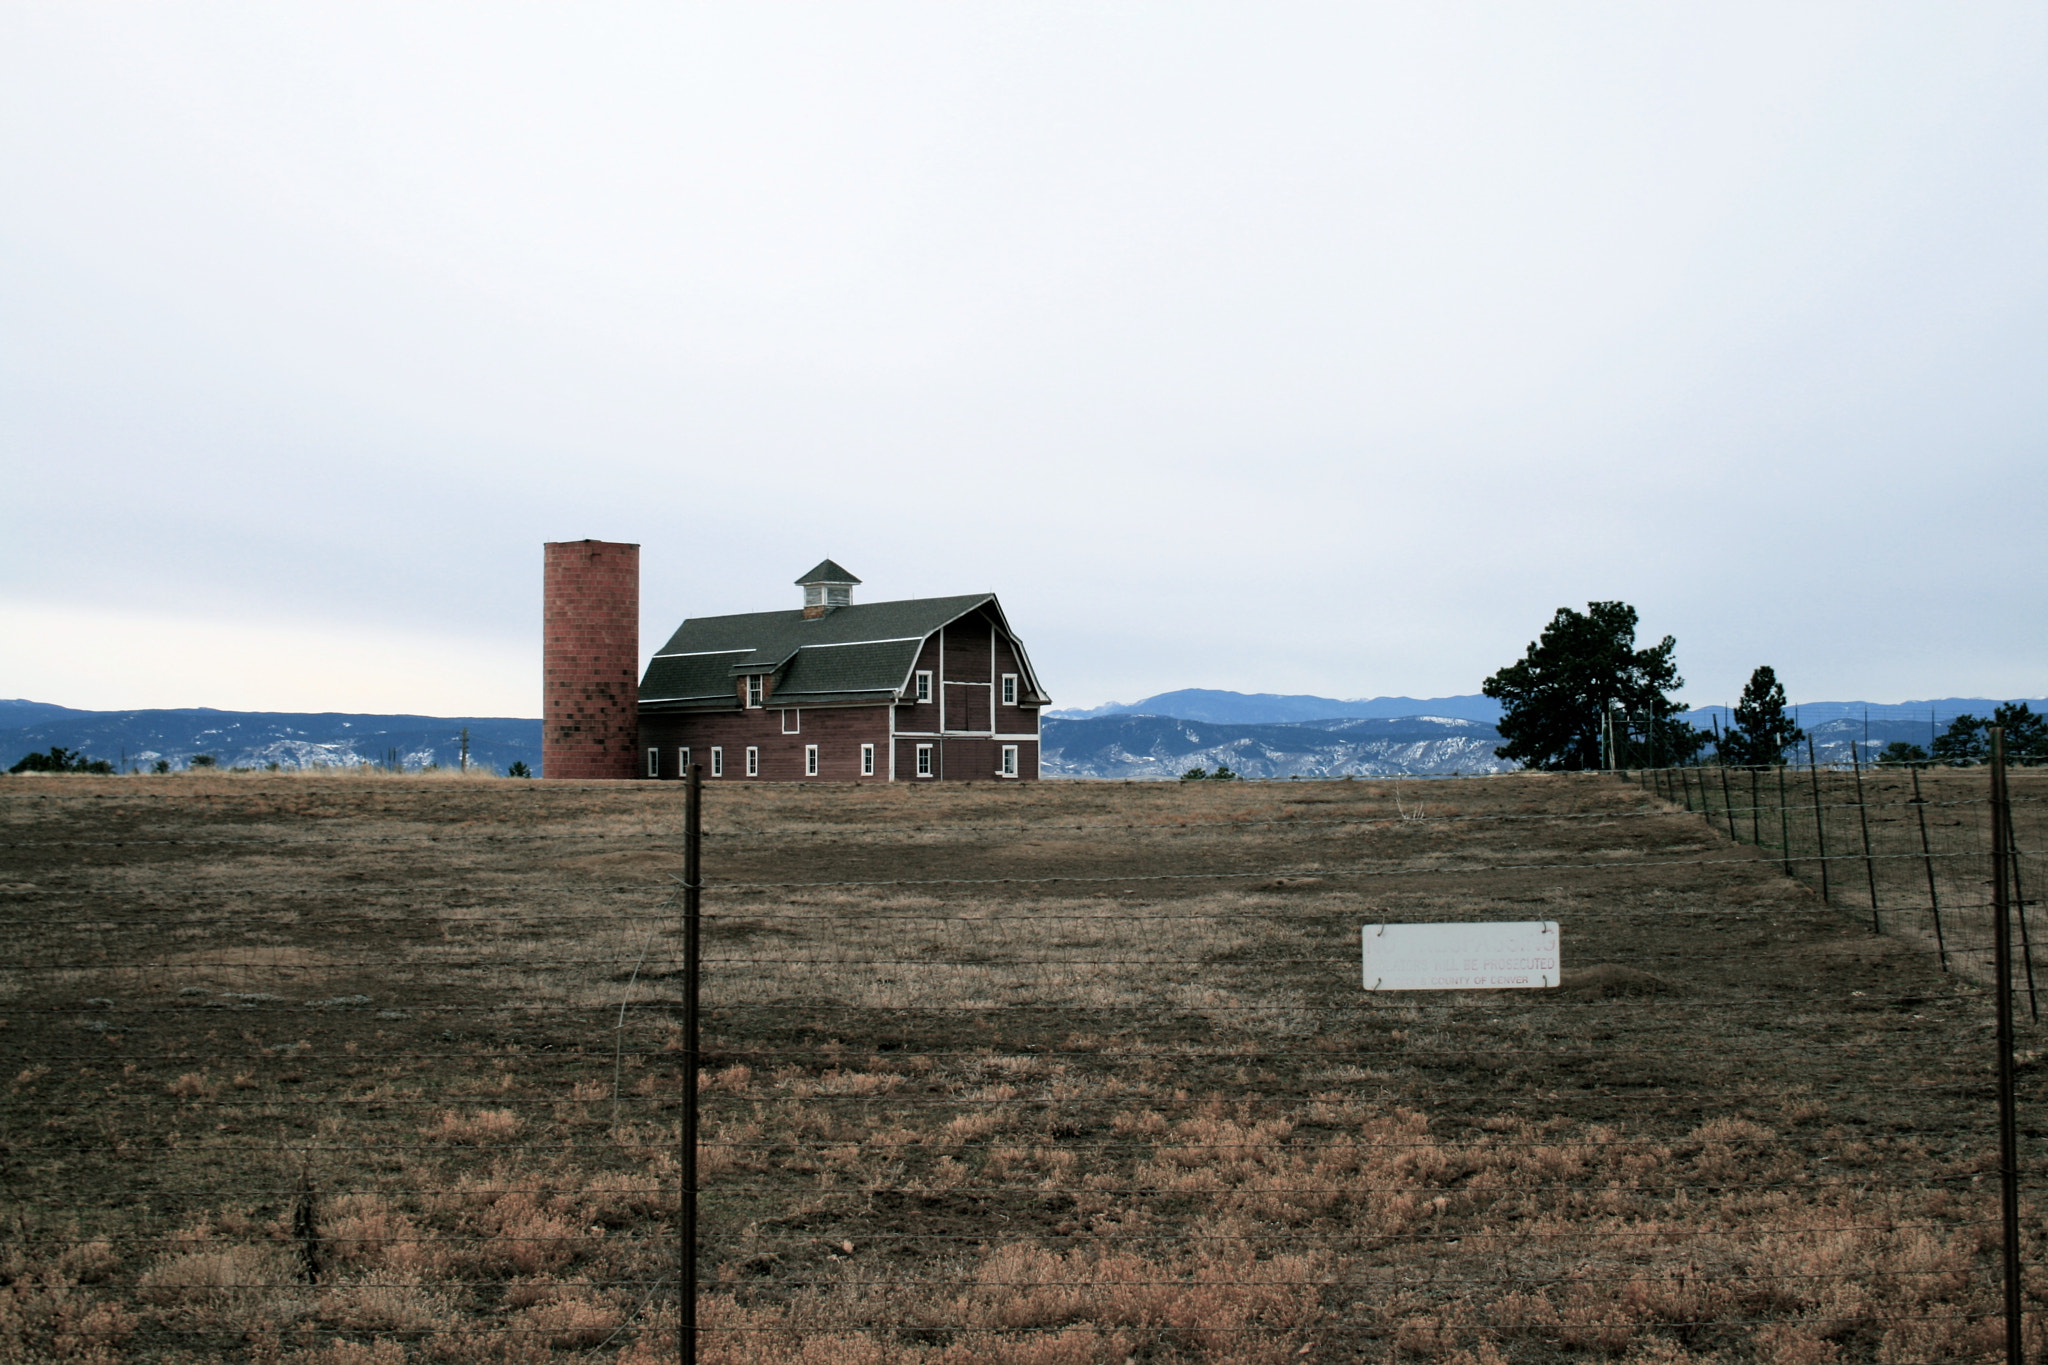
x=1272 y=708
x=257 y=739
x=1258 y=735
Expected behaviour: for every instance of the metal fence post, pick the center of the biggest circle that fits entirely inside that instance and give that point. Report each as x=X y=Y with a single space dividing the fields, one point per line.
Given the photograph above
x=1728 y=806
x=693 y=888
x=2019 y=905
x=1927 y=857
x=1784 y=818
x=1869 y=866
x=2008 y=1119
x=1820 y=825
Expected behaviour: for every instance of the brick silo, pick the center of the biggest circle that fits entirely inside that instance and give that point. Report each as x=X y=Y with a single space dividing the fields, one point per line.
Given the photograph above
x=590 y=663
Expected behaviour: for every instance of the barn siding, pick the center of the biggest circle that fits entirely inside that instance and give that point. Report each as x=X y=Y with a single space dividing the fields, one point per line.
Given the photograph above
x=966 y=659
x=838 y=731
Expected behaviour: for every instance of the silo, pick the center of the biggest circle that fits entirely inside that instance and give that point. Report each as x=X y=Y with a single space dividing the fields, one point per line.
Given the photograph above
x=590 y=665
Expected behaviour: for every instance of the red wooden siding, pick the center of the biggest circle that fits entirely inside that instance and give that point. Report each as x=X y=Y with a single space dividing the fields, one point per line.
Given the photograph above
x=838 y=731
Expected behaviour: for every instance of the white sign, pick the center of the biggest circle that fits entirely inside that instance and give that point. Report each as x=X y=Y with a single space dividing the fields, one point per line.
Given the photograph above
x=1461 y=957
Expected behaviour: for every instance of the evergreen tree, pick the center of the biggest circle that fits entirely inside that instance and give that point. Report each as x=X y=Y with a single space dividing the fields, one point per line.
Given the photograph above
x=1898 y=753
x=2026 y=733
x=1968 y=738
x=1583 y=665
x=1761 y=732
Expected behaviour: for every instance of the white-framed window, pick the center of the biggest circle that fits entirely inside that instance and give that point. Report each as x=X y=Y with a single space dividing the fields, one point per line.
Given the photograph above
x=717 y=761
x=753 y=689
x=924 y=760
x=1009 y=689
x=810 y=760
x=654 y=763
x=1009 y=764
x=924 y=684
x=792 y=722
x=683 y=761
x=753 y=761
x=867 y=760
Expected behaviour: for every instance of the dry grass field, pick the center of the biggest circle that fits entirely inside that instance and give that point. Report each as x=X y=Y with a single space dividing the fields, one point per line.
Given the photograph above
x=329 y=1070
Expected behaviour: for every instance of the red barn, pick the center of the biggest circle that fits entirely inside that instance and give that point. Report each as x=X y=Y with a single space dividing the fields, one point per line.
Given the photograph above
x=926 y=690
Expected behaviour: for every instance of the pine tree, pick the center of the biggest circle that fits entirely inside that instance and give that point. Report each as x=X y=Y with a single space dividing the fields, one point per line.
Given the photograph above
x=1761 y=732
x=1968 y=738
x=1557 y=696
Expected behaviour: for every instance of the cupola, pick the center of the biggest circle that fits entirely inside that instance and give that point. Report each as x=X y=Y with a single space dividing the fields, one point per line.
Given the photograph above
x=826 y=587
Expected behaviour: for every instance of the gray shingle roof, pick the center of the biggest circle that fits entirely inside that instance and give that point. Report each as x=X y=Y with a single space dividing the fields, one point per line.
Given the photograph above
x=826 y=572
x=849 y=654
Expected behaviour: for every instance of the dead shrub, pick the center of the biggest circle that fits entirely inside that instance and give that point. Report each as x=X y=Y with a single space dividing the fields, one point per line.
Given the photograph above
x=89 y=1262
x=478 y=1129
x=241 y=1287
x=193 y=1085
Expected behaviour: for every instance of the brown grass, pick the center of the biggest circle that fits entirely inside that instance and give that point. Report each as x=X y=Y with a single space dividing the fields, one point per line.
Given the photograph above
x=1072 y=1121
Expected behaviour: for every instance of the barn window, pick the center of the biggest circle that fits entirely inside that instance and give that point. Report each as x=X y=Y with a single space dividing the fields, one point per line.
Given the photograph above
x=1009 y=768
x=867 y=760
x=1009 y=689
x=792 y=722
x=753 y=761
x=753 y=689
x=810 y=760
x=683 y=761
x=924 y=684
x=717 y=761
x=654 y=763
x=924 y=760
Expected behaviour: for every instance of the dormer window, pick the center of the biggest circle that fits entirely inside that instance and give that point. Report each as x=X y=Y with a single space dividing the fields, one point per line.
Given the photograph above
x=753 y=689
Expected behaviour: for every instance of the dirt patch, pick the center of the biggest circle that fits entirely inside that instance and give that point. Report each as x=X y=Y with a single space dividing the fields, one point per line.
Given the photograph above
x=1611 y=981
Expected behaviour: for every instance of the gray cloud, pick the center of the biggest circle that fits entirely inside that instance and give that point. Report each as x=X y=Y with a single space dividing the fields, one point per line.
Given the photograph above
x=1302 y=349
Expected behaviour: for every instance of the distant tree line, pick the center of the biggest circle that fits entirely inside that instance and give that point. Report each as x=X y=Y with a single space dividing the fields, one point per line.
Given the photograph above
x=61 y=761
x=1583 y=690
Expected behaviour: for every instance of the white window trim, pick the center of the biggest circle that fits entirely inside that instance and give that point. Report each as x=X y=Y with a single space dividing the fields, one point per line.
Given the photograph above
x=810 y=760
x=924 y=760
x=867 y=760
x=753 y=761
x=683 y=761
x=718 y=760
x=792 y=721
x=756 y=691
x=1009 y=689
x=922 y=689
x=1006 y=766
x=654 y=763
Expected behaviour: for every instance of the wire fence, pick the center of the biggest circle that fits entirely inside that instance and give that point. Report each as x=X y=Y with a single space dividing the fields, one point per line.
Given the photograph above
x=1909 y=845
x=331 y=1070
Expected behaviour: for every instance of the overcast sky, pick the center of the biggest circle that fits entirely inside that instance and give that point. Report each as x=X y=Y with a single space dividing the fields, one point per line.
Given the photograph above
x=1271 y=347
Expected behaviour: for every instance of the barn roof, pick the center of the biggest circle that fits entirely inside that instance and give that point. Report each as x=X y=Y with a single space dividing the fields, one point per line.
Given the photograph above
x=850 y=654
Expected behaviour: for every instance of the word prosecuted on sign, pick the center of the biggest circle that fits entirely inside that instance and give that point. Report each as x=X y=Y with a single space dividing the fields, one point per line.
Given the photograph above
x=1502 y=955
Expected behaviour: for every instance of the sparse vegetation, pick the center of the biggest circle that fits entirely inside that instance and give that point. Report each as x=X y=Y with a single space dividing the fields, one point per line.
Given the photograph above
x=1033 y=1124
